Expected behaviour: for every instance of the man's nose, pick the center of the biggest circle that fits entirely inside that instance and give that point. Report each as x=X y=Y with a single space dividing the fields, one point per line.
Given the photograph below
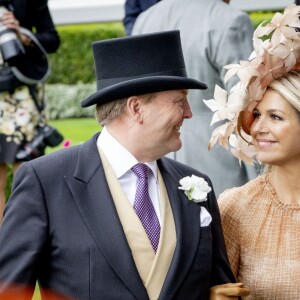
x=187 y=111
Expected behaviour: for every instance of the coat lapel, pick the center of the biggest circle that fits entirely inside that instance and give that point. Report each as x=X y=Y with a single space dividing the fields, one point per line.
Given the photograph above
x=187 y=222
x=94 y=201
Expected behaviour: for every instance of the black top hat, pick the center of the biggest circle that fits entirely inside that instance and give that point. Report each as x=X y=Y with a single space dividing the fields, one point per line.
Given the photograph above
x=137 y=65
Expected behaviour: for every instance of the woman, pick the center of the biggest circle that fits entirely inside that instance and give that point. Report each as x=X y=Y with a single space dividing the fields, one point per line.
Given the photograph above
x=19 y=114
x=261 y=220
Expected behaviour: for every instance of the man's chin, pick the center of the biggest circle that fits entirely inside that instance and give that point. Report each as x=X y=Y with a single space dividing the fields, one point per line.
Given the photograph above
x=177 y=147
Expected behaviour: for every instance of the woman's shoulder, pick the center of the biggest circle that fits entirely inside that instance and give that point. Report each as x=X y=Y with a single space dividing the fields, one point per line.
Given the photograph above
x=241 y=197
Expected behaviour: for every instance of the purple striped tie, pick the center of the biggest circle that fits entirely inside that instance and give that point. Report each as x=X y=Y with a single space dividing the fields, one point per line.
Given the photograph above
x=143 y=205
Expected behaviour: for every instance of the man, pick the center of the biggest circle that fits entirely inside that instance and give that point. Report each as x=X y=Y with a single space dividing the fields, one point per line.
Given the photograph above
x=132 y=10
x=213 y=34
x=81 y=221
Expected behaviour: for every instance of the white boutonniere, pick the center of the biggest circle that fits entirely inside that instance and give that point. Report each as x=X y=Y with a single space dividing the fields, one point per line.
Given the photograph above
x=196 y=188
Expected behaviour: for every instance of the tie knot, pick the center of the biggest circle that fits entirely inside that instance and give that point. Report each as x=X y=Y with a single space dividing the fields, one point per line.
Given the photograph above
x=140 y=170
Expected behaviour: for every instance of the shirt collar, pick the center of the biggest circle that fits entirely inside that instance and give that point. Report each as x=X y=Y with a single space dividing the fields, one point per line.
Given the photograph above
x=120 y=159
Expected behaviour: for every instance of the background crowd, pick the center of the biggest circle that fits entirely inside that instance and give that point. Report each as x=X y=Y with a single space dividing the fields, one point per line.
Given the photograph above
x=22 y=99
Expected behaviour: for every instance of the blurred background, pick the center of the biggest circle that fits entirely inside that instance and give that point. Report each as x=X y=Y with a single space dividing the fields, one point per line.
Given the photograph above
x=89 y=11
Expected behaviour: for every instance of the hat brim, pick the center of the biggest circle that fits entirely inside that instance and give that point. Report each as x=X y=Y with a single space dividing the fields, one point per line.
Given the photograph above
x=142 y=86
x=246 y=119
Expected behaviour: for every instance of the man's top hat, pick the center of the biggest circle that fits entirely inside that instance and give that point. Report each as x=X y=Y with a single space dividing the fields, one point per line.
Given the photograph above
x=137 y=65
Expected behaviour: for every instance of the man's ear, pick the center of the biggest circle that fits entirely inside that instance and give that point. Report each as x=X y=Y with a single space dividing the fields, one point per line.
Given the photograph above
x=134 y=105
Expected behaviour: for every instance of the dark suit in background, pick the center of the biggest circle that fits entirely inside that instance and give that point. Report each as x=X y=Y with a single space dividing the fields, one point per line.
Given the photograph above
x=132 y=10
x=35 y=15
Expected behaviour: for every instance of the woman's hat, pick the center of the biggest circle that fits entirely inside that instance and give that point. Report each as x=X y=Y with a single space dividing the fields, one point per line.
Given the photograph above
x=137 y=65
x=276 y=53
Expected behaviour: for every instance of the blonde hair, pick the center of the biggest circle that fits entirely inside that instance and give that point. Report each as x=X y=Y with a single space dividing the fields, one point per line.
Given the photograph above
x=288 y=86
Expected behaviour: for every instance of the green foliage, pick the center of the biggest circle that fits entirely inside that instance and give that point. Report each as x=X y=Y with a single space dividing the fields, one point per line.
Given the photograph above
x=9 y=181
x=73 y=62
x=63 y=101
x=261 y=16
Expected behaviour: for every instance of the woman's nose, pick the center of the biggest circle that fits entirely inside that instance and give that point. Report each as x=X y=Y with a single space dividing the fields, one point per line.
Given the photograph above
x=259 y=126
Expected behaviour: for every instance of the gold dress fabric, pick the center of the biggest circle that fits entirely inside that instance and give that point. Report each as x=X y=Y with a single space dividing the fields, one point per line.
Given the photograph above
x=262 y=235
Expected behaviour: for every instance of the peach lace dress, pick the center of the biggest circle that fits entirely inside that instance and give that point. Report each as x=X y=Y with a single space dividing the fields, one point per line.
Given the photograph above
x=262 y=235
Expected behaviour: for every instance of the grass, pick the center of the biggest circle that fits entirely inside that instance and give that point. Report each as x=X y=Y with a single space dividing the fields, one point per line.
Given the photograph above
x=76 y=131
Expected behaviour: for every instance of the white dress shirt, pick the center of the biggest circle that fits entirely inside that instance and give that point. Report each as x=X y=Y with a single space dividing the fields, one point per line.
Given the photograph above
x=121 y=161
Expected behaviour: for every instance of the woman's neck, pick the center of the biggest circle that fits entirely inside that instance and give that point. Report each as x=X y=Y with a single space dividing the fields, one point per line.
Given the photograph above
x=286 y=182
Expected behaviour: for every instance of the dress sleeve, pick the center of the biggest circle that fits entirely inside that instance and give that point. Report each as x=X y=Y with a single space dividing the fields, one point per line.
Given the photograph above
x=230 y=223
x=44 y=28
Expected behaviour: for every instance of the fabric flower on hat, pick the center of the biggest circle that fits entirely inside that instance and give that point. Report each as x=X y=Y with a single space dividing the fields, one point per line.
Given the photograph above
x=240 y=148
x=223 y=106
x=276 y=52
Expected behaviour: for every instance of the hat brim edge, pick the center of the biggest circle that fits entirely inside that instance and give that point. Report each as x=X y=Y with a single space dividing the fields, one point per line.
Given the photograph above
x=140 y=86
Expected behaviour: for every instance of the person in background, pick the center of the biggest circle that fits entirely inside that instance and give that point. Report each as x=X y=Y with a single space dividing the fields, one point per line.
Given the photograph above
x=19 y=114
x=214 y=34
x=113 y=218
x=261 y=219
x=132 y=10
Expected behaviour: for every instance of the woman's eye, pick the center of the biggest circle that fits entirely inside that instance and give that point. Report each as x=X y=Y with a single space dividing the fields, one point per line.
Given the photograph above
x=275 y=117
x=255 y=115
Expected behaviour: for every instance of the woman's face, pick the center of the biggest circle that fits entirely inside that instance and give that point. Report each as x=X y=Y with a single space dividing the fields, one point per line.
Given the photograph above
x=276 y=130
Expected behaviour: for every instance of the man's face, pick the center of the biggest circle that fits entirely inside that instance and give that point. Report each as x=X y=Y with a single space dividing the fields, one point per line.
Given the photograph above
x=163 y=116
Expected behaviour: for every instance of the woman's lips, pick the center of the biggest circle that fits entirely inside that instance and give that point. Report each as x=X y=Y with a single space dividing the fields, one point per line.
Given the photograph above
x=263 y=144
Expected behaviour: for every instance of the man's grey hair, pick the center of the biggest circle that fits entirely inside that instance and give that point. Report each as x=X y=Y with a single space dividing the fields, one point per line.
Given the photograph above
x=109 y=111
